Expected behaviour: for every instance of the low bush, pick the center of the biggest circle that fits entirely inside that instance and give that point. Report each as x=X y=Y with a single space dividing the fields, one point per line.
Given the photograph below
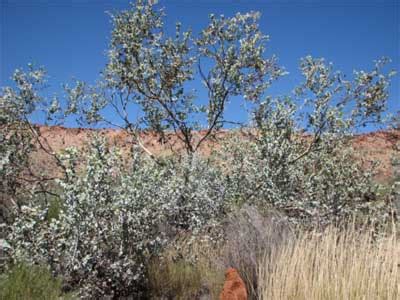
x=115 y=219
x=27 y=282
x=188 y=269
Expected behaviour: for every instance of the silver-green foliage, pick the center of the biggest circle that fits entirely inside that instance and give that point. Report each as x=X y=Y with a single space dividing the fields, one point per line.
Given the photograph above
x=116 y=215
x=115 y=218
x=152 y=71
x=19 y=138
x=322 y=188
x=15 y=135
x=301 y=160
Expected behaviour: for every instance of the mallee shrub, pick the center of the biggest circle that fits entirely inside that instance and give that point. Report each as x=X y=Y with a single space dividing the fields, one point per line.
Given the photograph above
x=111 y=217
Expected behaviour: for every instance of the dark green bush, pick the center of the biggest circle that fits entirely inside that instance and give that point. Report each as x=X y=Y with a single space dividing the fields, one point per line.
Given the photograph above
x=30 y=283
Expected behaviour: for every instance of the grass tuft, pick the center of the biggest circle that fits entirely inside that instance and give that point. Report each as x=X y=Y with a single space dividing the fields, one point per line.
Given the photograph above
x=334 y=264
x=30 y=283
x=189 y=269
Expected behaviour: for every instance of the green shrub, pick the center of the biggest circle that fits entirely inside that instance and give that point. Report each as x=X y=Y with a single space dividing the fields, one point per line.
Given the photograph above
x=54 y=209
x=188 y=269
x=29 y=283
x=112 y=223
x=179 y=279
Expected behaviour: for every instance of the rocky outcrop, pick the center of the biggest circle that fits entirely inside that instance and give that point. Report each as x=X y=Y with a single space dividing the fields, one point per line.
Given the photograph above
x=374 y=146
x=234 y=288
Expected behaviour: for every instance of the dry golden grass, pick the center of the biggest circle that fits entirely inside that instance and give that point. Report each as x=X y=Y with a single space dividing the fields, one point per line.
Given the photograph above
x=188 y=269
x=334 y=264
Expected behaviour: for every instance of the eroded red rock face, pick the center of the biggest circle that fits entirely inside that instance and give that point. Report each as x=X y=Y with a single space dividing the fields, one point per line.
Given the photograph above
x=234 y=288
x=379 y=146
x=371 y=147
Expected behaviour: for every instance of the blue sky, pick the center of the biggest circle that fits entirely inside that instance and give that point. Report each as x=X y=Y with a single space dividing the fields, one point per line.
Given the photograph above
x=69 y=37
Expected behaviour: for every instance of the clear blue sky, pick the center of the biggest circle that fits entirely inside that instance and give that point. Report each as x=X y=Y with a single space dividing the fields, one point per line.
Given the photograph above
x=69 y=37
